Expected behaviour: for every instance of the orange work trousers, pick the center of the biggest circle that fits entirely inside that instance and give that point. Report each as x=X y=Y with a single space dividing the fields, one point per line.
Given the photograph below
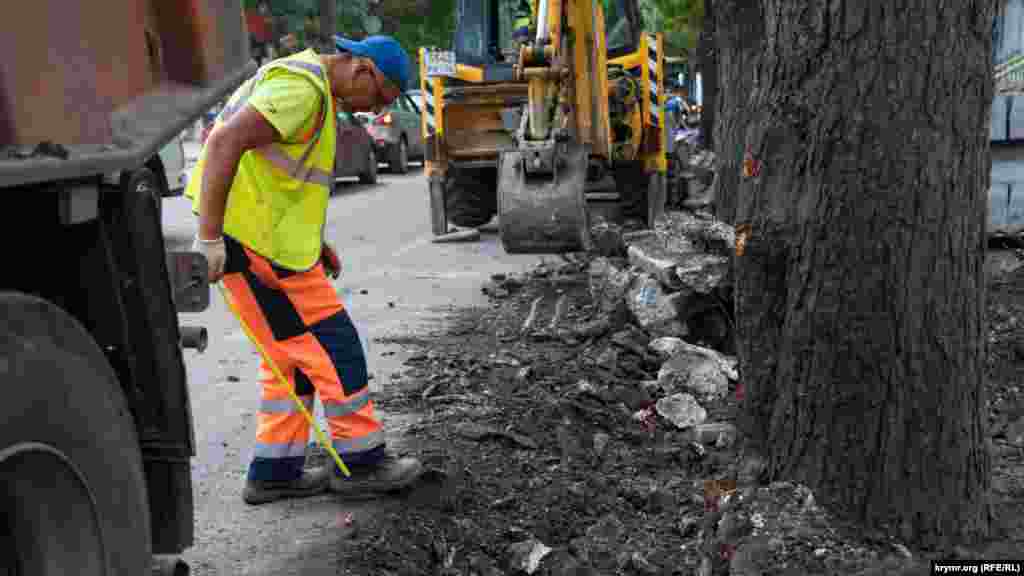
x=303 y=326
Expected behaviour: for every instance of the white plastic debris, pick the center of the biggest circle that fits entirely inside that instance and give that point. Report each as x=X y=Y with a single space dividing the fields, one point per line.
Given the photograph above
x=526 y=556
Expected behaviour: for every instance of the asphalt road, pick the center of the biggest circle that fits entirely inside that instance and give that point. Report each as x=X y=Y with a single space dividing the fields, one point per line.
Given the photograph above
x=382 y=233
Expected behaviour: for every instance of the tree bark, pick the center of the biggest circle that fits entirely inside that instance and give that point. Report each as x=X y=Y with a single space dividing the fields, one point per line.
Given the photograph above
x=738 y=37
x=708 y=65
x=861 y=289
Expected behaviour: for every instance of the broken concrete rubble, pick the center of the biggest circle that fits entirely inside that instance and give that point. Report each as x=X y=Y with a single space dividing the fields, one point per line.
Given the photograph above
x=654 y=309
x=709 y=236
x=668 y=347
x=720 y=434
x=654 y=259
x=681 y=410
x=525 y=557
x=694 y=372
x=609 y=285
x=702 y=273
x=676 y=282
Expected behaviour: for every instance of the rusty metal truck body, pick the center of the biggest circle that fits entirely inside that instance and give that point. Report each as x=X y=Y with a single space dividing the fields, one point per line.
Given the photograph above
x=96 y=436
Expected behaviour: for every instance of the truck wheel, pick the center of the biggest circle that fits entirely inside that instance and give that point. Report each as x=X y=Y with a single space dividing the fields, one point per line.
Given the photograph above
x=72 y=487
x=472 y=197
x=399 y=161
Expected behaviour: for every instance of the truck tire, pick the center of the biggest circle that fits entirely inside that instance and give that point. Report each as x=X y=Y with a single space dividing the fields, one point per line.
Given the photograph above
x=472 y=197
x=72 y=486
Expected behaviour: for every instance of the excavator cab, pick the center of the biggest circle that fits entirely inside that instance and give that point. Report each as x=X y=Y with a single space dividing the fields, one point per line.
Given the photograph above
x=483 y=36
x=540 y=107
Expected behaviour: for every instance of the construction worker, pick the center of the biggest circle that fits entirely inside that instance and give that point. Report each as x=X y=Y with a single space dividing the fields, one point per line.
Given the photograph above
x=260 y=190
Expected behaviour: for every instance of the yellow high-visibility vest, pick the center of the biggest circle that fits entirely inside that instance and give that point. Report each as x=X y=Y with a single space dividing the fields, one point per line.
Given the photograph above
x=277 y=205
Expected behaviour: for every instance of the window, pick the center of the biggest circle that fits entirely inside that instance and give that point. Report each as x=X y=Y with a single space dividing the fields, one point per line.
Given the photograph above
x=484 y=31
x=416 y=100
x=620 y=24
x=506 y=20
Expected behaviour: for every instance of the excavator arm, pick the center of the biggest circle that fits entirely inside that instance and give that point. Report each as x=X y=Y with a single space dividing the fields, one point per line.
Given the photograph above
x=566 y=133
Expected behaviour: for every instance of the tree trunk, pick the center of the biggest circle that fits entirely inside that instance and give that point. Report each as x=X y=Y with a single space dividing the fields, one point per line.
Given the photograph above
x=708 y=66
x=861 y=290
x=328 y=26
x=738 y=39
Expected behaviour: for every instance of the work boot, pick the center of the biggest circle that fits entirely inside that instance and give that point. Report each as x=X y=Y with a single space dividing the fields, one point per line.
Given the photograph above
x=311 y=483
x=390 y=474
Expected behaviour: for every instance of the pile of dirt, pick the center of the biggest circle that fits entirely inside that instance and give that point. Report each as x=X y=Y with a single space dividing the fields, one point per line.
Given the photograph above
x=552 y=449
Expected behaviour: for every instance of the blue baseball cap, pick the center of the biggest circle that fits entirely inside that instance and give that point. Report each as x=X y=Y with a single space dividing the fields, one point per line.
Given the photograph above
x=387 y=54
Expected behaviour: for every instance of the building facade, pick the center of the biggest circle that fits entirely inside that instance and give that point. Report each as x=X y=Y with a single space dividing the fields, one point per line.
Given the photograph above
x=1008 y=41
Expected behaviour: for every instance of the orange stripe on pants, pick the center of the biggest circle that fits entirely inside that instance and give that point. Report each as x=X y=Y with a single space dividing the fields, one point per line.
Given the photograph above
x=301 y=323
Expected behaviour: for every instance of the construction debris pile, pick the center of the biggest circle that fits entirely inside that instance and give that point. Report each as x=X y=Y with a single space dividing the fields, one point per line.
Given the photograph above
x=583 y=423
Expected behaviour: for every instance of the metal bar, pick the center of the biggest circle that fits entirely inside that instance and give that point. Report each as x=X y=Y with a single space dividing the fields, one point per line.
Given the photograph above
x=542 y=21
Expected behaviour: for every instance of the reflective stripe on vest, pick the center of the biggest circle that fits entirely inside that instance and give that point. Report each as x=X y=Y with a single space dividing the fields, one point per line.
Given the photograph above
x=278 y=201
x=275 y=156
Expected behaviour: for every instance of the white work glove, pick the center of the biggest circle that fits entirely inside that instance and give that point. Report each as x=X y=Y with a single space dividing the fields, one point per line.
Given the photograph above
x=216 y=255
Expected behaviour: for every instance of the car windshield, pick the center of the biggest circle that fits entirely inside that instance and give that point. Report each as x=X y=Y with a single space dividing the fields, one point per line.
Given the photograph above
x=484 y=32
x=506 y=19
x=618 y=29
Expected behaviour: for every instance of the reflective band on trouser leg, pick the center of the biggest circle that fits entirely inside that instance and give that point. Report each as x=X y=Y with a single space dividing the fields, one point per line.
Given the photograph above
x=331 y=356
x=282 y=431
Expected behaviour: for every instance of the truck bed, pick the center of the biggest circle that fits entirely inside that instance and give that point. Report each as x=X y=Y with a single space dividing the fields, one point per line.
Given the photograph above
x=94 y=91
x=139 y=129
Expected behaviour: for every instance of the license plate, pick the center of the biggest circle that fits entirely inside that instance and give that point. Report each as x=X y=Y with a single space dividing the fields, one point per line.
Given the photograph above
x=440 y=63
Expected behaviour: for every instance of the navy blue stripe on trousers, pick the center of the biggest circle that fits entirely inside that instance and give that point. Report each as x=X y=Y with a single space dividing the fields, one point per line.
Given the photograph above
x=339 y=338
x=337 y=334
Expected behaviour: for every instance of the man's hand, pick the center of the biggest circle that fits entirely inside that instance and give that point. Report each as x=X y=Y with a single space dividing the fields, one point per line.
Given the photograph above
x=216 y=256
x=331 y=262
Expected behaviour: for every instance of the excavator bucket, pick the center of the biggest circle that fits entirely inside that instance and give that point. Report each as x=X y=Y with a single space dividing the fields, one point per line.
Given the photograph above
x=543 y=214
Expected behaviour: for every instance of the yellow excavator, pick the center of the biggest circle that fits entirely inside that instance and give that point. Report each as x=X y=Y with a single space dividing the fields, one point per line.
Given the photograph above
x=543 y=126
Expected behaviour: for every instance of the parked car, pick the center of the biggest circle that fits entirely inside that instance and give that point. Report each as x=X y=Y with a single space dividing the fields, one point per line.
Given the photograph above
x=170 y=169
x=356 y=154
x=175 y=171
x=396 y=133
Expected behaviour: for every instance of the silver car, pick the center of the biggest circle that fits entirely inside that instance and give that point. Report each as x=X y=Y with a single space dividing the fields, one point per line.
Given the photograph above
x=397 y=135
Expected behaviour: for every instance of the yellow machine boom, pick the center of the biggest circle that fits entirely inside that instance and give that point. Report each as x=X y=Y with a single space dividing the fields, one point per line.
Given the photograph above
x=539 y=109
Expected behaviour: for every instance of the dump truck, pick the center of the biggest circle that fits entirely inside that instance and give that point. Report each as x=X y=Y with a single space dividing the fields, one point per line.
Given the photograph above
x=96 y=435
x=540 y=133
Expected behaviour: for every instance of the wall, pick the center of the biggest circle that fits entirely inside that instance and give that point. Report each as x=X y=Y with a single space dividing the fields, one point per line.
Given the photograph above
x=1008 y=39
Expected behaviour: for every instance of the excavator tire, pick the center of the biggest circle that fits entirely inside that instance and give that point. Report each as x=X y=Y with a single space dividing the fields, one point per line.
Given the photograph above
x=472 y=197
x=72 y=486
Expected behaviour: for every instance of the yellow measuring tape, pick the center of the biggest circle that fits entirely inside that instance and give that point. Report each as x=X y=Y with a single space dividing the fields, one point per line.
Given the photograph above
x=320 y=437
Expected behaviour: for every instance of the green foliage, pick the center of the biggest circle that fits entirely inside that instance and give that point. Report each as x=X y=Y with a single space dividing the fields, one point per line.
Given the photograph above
x=414 y=23
x=417 y=23
x=680 y=20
